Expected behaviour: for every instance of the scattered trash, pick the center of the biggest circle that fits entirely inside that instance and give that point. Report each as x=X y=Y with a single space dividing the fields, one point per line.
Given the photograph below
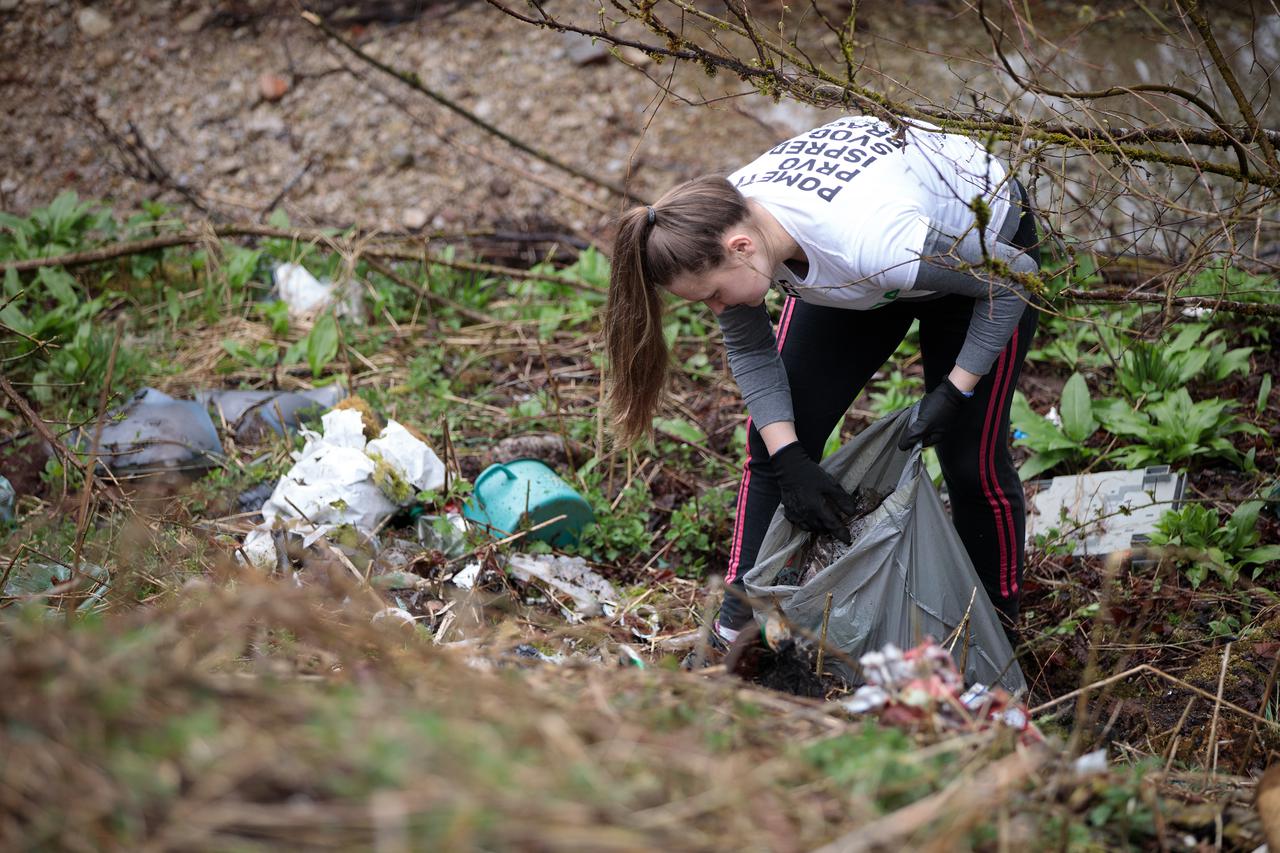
x=154 y=430
x=1091 y=763
x=527 y=492
x=907 y=575
x=1018 y=434
x=1197 y=312
x=444 y=533
x=466 y=578
x=592 y=595
x=628 y=656
x=252 y=499
x=922 y=686
x=251 y=414
x=7 y=498
x=36 y=579
x=1053 y=417
x=524 y=650
x=1108 y=511
x=340 y=479
x=395 y=615
x=306 y=296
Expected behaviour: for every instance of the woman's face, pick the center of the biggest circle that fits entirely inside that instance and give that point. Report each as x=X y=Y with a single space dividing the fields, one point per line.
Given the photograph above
x=739 y=280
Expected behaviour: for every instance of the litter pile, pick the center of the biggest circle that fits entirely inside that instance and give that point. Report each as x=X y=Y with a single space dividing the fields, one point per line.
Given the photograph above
x=922 y=688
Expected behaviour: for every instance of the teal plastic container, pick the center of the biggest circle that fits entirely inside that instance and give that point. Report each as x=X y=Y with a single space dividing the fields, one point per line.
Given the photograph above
x=506 y=492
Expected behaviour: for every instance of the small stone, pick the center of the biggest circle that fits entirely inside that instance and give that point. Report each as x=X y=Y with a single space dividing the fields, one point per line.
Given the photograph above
x=104 y=58
x=9 y=5
x=499 y=188
x=401 y=156
x=583 y=50
x=92 y=22
x=264 y=124
x=414 y=218
x=272 y=87
x=60 y=36
x=194 y=22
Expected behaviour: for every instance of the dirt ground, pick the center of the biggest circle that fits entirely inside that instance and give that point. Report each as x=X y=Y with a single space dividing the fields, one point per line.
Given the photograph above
x=185 y=78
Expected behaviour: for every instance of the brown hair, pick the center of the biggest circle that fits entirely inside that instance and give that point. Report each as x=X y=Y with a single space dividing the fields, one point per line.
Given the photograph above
x=680 y=233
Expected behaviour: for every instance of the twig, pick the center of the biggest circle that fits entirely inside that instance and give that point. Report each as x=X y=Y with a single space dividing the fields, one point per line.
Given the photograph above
x=69 y=459
x=1144 y=667
x=1177 y=733
x=414 y=82
x=1211 y=748
x=822 y=638
x=82 y=522
x=287 y=188
x=1229 y=77
x=1262 y=708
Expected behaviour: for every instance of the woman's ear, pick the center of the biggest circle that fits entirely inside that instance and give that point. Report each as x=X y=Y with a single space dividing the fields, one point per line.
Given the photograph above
x=740 y=244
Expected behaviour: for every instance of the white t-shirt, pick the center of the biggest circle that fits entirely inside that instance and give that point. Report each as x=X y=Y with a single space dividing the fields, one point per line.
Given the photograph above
x=857 y=195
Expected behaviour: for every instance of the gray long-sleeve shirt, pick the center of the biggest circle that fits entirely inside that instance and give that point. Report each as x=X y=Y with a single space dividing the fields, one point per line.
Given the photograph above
x=998 y=305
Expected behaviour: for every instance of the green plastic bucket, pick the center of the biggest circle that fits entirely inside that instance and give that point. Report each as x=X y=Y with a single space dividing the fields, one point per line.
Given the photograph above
x=505 y=493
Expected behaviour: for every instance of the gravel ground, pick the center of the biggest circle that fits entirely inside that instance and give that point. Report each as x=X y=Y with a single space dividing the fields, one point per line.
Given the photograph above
x=381 y=155
x=242 y=103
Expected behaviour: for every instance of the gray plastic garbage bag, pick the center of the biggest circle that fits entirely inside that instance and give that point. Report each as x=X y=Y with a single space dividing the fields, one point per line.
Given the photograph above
x=154 y=429
x=906 y=576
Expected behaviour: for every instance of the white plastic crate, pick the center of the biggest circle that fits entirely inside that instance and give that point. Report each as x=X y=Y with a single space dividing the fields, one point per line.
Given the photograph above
x=1105 y=512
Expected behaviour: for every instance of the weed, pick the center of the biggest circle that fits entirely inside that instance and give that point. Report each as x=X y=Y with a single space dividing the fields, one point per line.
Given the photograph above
x=699 y=527
x=1175 y=429
x=1195 y=540
x=1054 y=445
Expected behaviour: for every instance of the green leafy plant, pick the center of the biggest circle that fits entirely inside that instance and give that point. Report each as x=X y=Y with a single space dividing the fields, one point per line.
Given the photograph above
x=698 y=527
x=1149 y=370
x=1194 y=538
x=895 y=391
x=1176 y=429
x=60 y=228
x=1054 y=445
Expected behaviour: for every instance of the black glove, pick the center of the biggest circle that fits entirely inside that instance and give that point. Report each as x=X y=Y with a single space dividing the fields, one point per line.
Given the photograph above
x=936 y=411
x=811 y=498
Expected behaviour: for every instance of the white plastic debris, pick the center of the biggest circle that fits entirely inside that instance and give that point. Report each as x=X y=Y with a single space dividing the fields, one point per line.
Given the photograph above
x=1197 y=312
x=868 y=697
x=592 y=595
x=308 y=296
x=334 y=481
x=1091 y=763
x=466 y=578
x=1053 y=417
x=394 y=615
x=399 y=448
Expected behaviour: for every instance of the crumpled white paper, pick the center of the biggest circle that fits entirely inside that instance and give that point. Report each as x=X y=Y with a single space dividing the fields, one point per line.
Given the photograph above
x=306 y=296
x=331 y=482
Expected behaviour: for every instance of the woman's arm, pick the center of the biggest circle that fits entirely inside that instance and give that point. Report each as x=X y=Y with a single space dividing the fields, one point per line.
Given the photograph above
x=998 y=300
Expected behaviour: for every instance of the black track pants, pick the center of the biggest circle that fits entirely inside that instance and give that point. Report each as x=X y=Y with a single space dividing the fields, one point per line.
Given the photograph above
x=829 y=355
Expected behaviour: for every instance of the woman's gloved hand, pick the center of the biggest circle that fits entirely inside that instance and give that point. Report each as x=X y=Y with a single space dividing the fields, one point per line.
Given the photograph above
x=936 y=411
x=811 y=498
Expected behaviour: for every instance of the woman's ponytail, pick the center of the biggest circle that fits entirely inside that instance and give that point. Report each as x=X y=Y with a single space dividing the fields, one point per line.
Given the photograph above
x=680 y=233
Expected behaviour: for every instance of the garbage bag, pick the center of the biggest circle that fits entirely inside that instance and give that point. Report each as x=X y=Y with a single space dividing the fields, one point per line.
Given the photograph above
x=906 y=576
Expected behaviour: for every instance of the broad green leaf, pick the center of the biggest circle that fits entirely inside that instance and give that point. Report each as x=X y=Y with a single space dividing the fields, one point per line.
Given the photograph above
x=1261 y=556
x=680 y=428
x=1077 y=410
x=1039 y=463
x=1264 y=392
x=322 y=343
